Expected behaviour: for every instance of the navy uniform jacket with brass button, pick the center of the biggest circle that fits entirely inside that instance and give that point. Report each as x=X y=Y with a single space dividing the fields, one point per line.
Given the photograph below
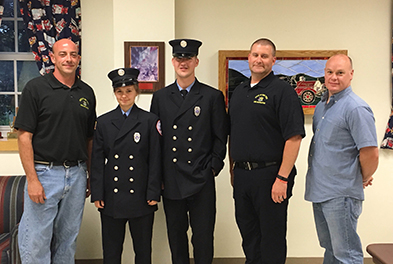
x=194 y=132
x=126 y=163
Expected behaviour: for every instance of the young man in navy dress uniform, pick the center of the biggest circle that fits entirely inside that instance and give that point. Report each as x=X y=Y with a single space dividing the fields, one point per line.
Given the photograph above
x=194 y=129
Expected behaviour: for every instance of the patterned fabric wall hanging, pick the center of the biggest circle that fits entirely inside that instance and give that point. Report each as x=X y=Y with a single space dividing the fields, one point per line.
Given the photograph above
x=387 y=141
x=46 y=22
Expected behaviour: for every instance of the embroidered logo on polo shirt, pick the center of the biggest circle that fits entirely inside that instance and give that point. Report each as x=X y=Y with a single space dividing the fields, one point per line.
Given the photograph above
x=84 y=103
x=260 y=99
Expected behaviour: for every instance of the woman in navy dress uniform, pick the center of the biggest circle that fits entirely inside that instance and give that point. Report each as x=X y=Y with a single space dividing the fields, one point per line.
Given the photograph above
x=126 y=170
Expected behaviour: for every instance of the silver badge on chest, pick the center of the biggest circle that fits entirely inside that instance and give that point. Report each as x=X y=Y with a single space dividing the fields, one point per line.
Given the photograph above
x=137 y=137
x=197 y=111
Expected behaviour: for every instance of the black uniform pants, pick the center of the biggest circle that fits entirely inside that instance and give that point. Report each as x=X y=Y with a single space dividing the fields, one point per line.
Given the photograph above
x=262 y=223
x=113 y=232
x=198 y=211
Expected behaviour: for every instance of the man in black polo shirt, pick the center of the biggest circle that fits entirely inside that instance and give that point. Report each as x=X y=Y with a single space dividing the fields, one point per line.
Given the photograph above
x=267 y=126
x=55 y=126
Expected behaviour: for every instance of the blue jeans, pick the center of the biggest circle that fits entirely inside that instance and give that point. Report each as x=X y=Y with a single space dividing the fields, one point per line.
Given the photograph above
x=48 y=232
x=336 y=222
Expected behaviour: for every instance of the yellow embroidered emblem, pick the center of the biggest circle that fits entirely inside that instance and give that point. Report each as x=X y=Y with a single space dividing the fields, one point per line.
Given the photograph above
x=84 y=103
x=260 y=99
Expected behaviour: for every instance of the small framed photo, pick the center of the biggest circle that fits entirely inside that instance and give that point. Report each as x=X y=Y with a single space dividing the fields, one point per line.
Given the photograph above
x=149 y=59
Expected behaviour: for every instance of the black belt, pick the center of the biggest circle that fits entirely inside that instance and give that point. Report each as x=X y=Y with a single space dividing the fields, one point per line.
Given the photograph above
x=246 y=165
x=66 y=163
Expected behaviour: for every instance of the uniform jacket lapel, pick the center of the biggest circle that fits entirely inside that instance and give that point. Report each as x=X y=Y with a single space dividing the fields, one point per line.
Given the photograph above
x=126 y=125
x=175 y=95
x=117 y=119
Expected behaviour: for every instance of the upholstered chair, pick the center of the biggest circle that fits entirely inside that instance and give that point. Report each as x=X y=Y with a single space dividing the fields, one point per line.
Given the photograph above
x=11 y=209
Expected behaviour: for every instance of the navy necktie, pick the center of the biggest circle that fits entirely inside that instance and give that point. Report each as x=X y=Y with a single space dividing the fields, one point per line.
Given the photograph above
x=184 y=93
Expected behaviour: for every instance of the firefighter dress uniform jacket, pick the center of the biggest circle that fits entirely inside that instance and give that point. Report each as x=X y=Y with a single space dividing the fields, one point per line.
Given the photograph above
x=194 y=133
x=126 y=163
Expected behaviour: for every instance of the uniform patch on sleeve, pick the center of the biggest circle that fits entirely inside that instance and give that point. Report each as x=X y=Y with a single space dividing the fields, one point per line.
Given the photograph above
x=158 y=127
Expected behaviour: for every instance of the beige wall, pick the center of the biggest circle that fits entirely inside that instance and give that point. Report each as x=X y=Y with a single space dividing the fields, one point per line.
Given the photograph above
x=362 y=27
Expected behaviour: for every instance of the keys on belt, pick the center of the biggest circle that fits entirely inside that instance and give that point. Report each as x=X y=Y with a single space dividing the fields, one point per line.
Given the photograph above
x=247 y=165
x=66 y=163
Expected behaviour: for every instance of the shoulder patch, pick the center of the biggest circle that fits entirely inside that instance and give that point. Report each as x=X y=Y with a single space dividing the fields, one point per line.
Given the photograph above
x=158 y=127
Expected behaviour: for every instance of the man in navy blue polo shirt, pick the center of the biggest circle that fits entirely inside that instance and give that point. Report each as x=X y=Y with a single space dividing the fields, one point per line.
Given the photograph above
x=342 y=159
x=267 y=126
x=55 y=126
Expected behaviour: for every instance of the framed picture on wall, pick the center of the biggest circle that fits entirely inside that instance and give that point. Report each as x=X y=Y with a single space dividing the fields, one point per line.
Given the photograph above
x=149 y=58
x=302 y=69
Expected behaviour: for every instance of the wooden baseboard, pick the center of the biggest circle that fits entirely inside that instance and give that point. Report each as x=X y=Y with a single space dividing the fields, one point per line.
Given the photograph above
x=237 y=261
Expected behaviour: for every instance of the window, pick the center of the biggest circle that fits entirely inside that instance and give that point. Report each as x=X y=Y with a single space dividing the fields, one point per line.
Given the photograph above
x=17 y=65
